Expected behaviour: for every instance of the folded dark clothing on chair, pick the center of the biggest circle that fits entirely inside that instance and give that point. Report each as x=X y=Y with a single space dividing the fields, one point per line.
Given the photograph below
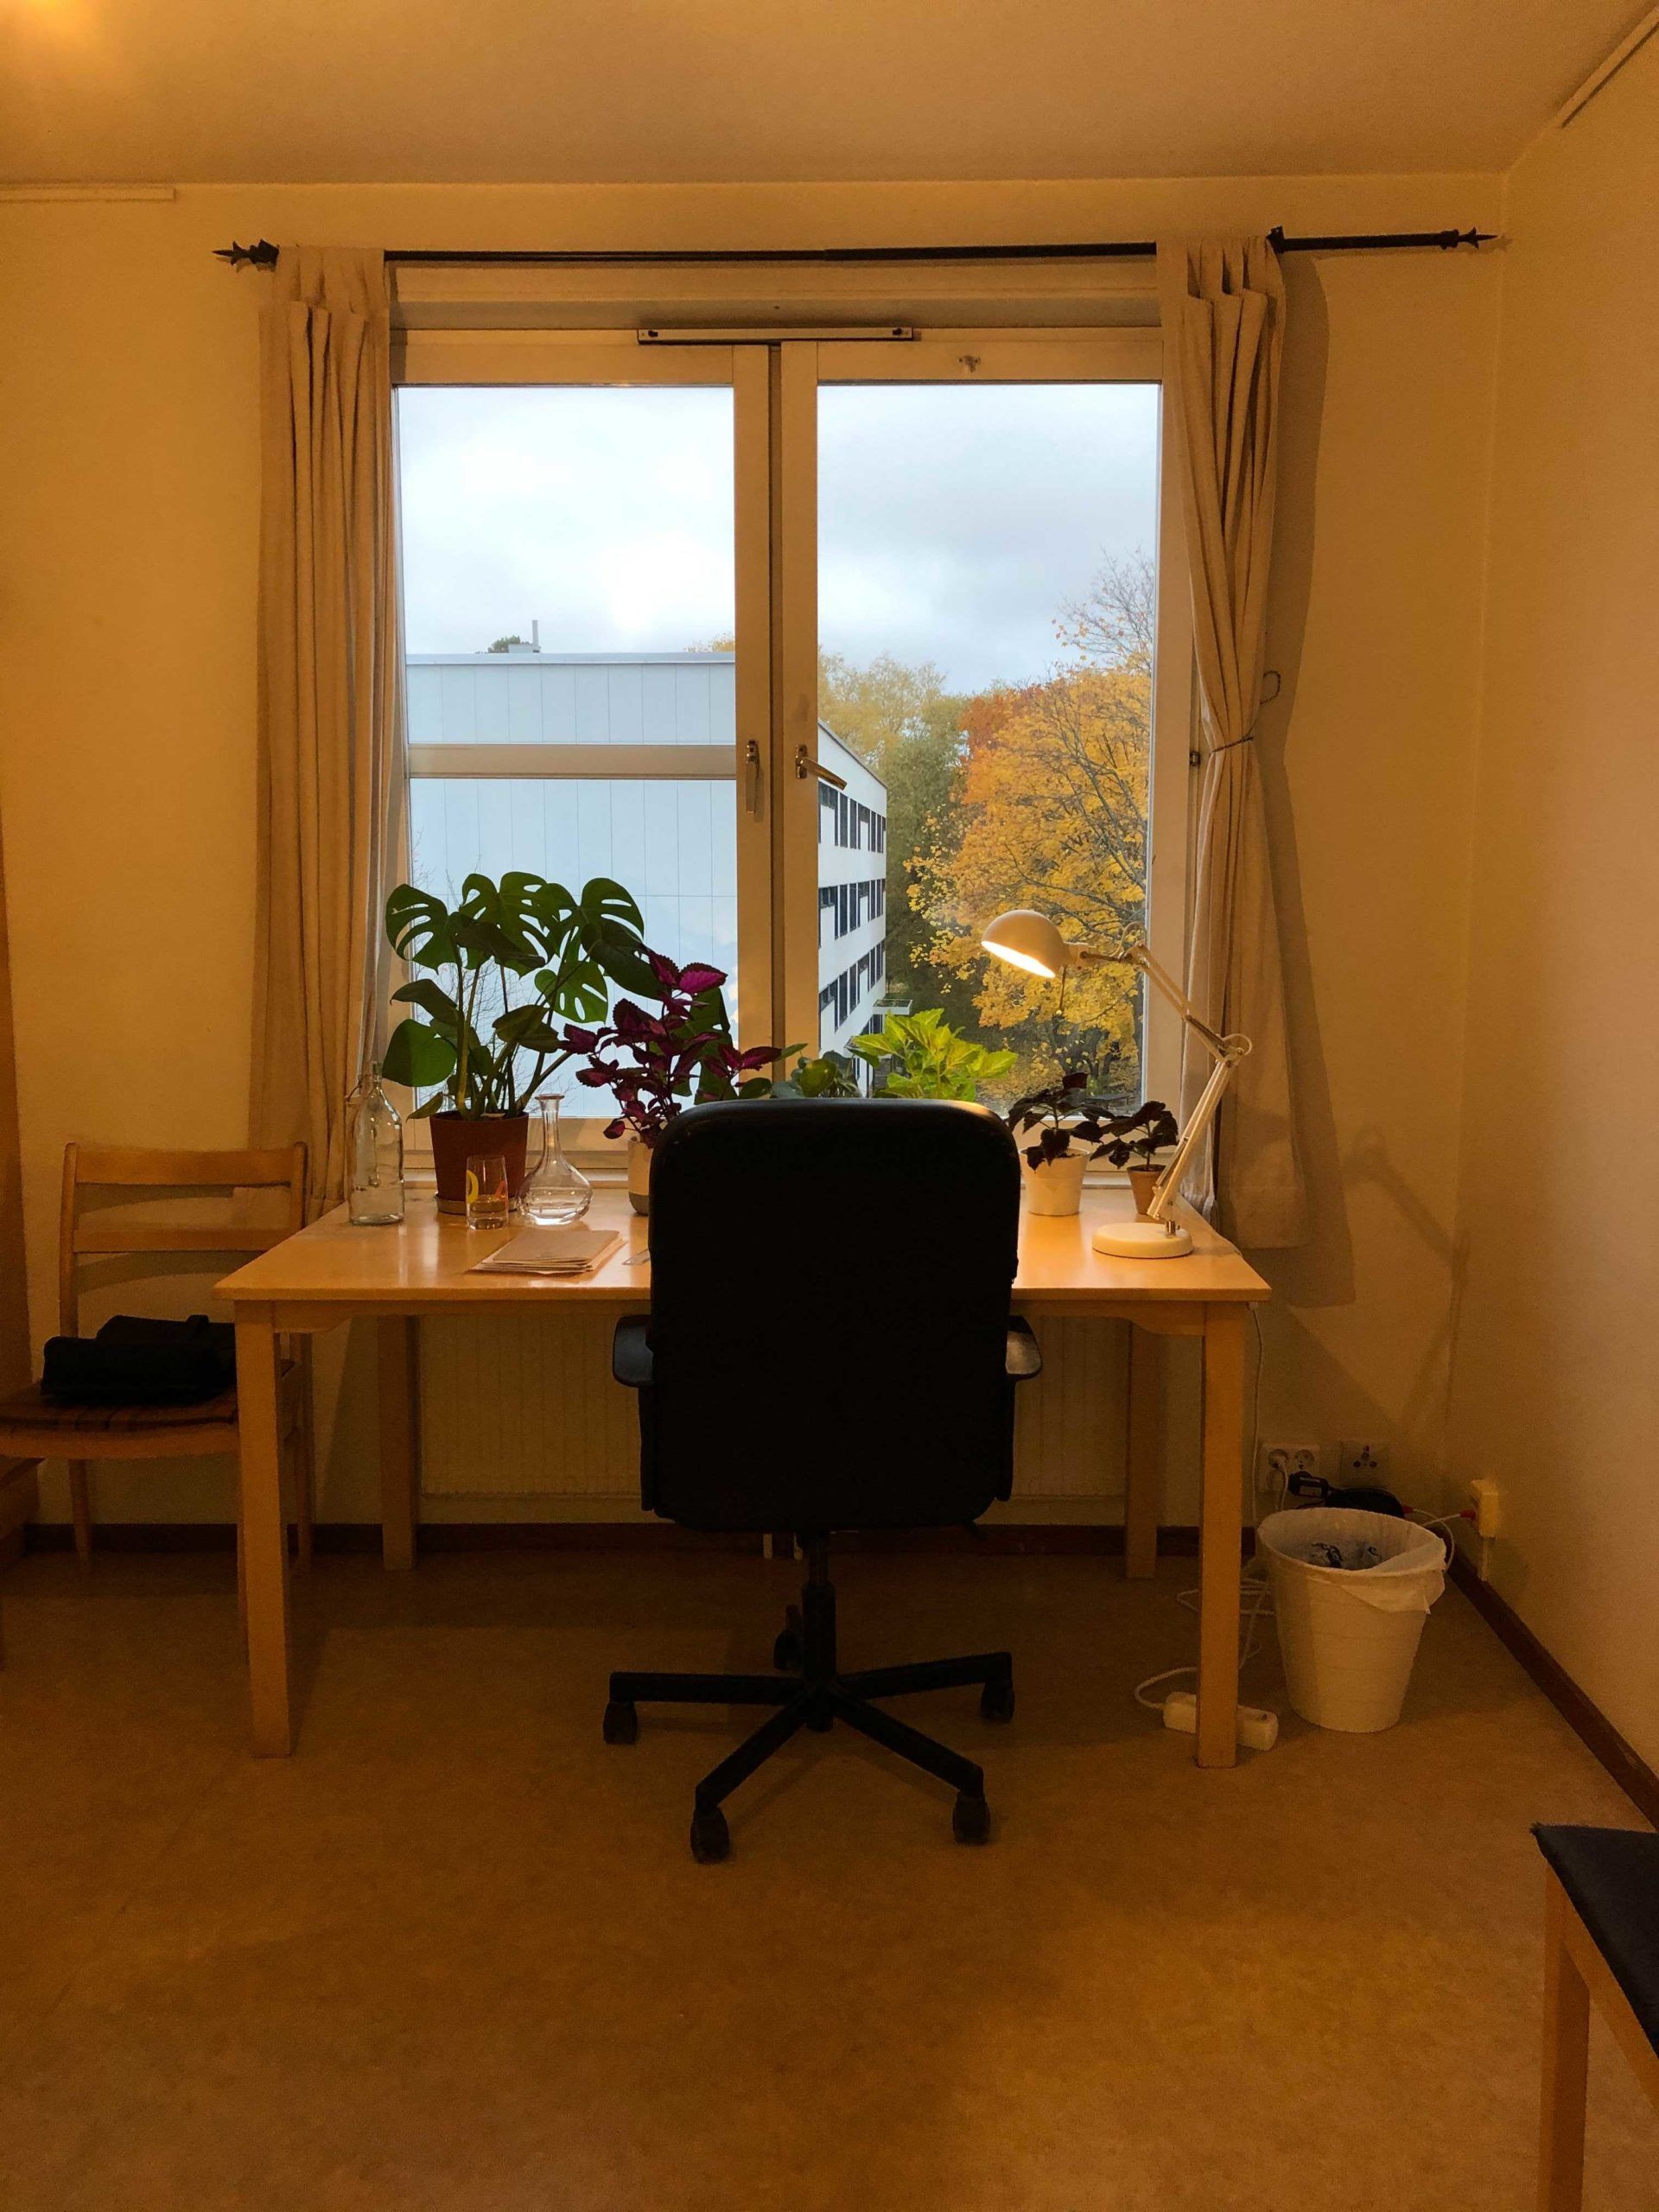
x=133 y=1360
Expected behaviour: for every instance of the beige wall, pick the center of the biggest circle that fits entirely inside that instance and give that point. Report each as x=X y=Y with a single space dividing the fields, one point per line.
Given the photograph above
x=127 y=674
x=1557 y=1390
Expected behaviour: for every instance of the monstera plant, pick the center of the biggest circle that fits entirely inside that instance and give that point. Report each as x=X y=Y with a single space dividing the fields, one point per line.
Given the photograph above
x=502 y=971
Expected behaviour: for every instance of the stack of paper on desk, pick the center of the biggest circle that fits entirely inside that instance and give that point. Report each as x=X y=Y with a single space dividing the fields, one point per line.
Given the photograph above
x=551 y=1252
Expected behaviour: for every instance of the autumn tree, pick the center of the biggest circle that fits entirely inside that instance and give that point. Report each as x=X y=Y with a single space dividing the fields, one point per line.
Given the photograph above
x=1049 y=809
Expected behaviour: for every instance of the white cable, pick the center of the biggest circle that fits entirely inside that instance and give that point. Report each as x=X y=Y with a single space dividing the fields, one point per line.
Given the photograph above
x=1249 y=1630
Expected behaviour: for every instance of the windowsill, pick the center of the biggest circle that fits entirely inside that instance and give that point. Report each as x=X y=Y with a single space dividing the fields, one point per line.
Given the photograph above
x=606 y=1172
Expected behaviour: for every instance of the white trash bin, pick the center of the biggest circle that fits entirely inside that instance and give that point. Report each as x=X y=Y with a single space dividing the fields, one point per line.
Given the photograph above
x=1349 y=1634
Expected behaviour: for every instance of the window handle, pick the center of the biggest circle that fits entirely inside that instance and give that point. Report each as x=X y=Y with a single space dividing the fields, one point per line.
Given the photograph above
x=751 y=776
x=804 y=764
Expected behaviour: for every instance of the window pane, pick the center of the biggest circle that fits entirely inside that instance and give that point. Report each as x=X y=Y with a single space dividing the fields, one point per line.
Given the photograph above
x=585 y=519
x=987 y=590
x=568 y=579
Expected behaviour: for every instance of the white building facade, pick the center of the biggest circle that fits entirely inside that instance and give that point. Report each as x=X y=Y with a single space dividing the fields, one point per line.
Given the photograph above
x=852 y=894
x=480 y=800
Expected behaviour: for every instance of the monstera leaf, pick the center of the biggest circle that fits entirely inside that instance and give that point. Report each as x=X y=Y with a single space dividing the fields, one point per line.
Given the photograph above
x=421 y=928
x=497 y=932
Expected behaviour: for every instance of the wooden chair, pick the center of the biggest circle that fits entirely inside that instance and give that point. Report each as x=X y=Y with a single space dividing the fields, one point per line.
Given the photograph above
x=33 y=1429
x=1601 y=1907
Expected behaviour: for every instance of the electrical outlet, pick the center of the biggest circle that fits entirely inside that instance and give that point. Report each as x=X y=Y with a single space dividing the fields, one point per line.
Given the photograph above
x=1484 y=1497
x=1362 y=1463
x=1278 y=1462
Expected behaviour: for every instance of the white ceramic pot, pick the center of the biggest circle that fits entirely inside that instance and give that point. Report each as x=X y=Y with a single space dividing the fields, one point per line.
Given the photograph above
x=1056 y=1187
x=638 y=1175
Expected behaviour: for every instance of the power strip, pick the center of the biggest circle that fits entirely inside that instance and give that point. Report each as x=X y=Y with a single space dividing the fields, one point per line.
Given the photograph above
x=1258 y=1731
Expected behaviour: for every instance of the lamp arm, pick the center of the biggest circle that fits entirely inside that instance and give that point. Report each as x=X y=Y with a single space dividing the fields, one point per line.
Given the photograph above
x=1229 y=1050
x=1140 y=957
x=1169 y=1183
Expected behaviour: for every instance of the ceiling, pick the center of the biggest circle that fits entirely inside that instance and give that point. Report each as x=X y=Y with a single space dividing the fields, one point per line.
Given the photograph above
x=705 y=91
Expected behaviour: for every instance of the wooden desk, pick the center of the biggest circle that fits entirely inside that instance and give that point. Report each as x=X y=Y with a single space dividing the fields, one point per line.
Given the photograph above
x=332 y=1272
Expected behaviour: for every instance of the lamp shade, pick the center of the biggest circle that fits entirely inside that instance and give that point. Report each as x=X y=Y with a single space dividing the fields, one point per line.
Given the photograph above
x=1027 y=939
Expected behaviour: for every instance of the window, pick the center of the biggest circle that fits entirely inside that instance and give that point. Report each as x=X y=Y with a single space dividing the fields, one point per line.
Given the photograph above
x=610 y=673
x=988 y=612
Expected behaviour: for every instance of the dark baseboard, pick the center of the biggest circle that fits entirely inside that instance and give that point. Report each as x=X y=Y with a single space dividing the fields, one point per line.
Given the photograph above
x=1586 y=1720
x=1006 y=1538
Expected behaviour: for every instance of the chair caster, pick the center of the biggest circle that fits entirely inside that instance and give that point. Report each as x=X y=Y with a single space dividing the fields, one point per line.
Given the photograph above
x=789 y=1652
x=621 y=1721
x=996 y=1701
x=971 y=1820
x=710 y=1837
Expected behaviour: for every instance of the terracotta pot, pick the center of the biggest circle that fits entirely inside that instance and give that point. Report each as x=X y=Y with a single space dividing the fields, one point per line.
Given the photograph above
x=640 y=1159
x=1143 y=1181
x=1056 y=1187
x=456 y=1138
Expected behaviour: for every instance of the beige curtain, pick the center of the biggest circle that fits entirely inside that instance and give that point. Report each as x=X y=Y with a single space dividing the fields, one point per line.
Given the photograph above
x=330 y=782
x=1222 y=305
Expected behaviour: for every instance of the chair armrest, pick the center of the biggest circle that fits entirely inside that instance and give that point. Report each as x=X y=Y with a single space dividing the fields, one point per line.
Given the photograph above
x=1024 y=1357
x=631 y=1360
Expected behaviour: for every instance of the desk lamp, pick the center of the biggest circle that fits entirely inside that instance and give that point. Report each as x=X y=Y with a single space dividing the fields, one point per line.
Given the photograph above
x=1029 y=940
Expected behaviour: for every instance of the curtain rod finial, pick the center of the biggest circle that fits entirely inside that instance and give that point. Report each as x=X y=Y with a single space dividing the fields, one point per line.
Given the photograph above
x=261 y=255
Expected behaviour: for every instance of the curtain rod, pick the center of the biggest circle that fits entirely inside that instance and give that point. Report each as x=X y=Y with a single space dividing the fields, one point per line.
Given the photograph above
x=263 y=255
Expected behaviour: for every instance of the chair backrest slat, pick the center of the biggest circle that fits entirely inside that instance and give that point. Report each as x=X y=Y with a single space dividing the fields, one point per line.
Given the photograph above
x=142 y=1169
x=145 y=1168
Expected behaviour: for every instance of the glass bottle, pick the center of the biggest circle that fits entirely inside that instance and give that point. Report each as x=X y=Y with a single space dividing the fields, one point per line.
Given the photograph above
x=374 y=1155
x=556 y=1192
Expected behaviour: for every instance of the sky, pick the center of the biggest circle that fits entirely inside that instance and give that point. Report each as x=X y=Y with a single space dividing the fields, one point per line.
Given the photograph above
x=955 y=521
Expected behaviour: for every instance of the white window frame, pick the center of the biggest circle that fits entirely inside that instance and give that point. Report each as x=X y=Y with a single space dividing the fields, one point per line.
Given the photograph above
x=555 y=324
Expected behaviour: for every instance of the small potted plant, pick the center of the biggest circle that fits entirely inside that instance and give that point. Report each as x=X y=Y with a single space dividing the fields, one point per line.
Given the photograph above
x=920 y=1056
x=481 y=1050
x=823 y=1075
x=1134 y=1140
x=659 y=1064
x=1071 y=1127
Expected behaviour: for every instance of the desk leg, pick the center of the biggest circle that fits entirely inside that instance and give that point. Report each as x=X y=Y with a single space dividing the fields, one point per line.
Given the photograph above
x=1142 y=1496
x=398 y=1460
x=1220 y=1534
x=1567 y=2062
x=265 y=1534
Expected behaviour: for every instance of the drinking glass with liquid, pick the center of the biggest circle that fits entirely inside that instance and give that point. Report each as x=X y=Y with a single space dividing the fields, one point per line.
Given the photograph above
x=487 y=1189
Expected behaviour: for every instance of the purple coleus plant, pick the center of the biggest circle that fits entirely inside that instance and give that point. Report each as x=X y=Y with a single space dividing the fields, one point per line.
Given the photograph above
x=659 y=1064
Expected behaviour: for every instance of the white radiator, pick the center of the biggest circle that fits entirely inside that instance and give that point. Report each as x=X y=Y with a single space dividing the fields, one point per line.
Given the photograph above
x=522 y=1406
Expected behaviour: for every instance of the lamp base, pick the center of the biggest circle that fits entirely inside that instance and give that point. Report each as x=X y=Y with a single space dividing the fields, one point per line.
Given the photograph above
x=1142 y=1240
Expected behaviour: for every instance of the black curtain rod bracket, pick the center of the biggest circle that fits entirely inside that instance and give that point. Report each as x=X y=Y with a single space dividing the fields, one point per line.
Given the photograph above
x=262 y=253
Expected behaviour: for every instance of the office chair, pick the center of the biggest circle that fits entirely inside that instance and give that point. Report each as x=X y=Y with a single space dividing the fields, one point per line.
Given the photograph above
x=830 y=1347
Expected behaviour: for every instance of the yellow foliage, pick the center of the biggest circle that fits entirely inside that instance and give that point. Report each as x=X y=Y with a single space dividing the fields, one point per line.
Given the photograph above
x=1051 y=811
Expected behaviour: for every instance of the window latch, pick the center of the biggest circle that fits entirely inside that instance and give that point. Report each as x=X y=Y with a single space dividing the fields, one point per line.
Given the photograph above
x=806 y=764
x=751 y=776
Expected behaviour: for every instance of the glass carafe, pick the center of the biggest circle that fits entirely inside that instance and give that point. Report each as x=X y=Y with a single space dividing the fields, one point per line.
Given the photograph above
x=374 y=1155
x=556 y=1192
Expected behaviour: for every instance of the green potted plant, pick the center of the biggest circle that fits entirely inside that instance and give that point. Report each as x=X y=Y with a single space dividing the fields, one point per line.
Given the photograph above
x=827 y=1075
x=659 y=1064
x=1134 y=1142
x=1071 y=1127
x=475 y=1039
x=928 y=1059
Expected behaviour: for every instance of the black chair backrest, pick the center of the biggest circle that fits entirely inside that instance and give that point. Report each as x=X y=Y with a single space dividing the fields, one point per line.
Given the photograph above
x=829 y=1314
